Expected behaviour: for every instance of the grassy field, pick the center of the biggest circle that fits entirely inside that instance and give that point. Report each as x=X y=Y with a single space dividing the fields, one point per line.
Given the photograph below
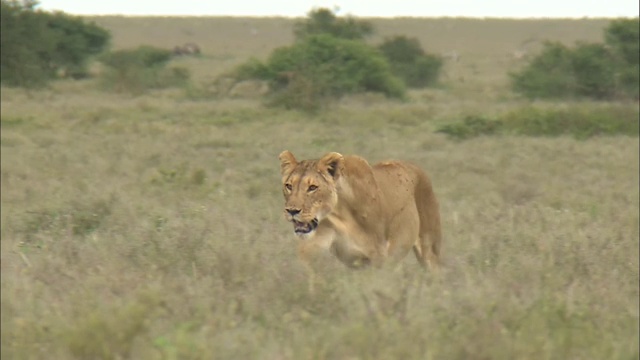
x=151 y=227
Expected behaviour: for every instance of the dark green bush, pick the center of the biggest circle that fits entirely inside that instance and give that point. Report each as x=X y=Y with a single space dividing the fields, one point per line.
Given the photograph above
x=401 y=49
x=628 y=81
x=23 y=37
x=548 y=75
x=78 y=41
x=409 y=62
x=596 y=71
x=141 y=69
x=322 y=68
x=37 y=46
x=325 y=21
x=143 y=56
x=623 y=37
x=252 y=69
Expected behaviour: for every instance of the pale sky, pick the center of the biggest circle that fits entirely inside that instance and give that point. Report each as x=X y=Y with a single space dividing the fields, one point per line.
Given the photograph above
x=371 y=8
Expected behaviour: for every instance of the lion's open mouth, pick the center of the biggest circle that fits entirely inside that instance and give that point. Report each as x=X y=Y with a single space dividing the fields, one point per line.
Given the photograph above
x=302 y=228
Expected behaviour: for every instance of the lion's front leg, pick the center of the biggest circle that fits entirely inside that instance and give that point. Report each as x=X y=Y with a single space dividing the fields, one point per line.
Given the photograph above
x=357 y=257
x=351 y=258
x=313 y=250
x=308 y=252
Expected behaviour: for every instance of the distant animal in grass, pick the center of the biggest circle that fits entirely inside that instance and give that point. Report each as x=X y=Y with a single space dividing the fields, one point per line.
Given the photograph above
x=186 y=49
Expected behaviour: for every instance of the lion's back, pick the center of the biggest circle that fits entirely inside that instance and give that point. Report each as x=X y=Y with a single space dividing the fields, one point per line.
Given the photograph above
x=397 y=173
x=400 y=183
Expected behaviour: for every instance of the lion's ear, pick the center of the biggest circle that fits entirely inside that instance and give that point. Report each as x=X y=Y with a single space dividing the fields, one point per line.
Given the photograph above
x=287 y=162
x=332 y=163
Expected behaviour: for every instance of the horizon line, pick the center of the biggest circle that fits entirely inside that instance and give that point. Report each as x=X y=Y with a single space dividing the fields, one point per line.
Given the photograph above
x=368 y=17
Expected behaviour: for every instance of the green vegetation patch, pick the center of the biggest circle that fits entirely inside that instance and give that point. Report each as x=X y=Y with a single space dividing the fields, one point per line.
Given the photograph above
x=410 y=62
x=13 y=121
x=329 y=59
x=309 y=73
x=325 y=21
x=606 y=70
x=141 y=69
x=38 y=46
x=580 y=122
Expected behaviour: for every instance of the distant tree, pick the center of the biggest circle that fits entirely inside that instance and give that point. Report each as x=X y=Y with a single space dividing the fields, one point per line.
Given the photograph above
x=24 y=41
x=36 y=45
x=76 y=42
x=325 y=21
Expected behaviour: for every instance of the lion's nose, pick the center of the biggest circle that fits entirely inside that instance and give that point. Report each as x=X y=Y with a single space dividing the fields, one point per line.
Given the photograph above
x=293 y=212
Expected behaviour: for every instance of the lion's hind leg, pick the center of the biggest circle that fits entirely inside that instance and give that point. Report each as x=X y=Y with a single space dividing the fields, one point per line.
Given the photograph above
x=417 y=251
x=427 y=249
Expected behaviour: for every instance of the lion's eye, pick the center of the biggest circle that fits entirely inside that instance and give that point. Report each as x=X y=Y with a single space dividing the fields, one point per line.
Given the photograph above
x=288 y=187
x=312 y=188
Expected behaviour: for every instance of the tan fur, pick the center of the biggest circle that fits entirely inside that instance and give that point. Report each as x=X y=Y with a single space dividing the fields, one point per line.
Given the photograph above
x=365 y=214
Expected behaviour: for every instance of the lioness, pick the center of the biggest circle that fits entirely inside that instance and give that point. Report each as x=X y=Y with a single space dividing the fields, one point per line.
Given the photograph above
x=362 y=214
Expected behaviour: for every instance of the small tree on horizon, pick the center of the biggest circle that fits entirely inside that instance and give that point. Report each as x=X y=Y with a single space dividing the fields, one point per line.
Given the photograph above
x=325 y=21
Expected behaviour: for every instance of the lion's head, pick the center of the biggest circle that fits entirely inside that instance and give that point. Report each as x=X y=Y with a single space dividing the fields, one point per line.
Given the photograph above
x=309 y=189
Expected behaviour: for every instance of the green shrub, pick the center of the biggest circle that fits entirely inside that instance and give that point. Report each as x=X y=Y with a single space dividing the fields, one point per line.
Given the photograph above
x=78 y=41
x=472 y=126
x=409 y=61
x=596 y=71
x=24 y=35
x=325 y=21
x=593 y=69
x=401 y=49
x=322 y=68
x=623 y=37
x=548 y=75
x=628 y=81
x=141 y=69
x=37 y=45
x=252 y=69
x=143 y=56
x=580 y=122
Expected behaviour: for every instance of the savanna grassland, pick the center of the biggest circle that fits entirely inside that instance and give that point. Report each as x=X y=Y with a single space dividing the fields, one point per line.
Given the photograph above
x=150 y=227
